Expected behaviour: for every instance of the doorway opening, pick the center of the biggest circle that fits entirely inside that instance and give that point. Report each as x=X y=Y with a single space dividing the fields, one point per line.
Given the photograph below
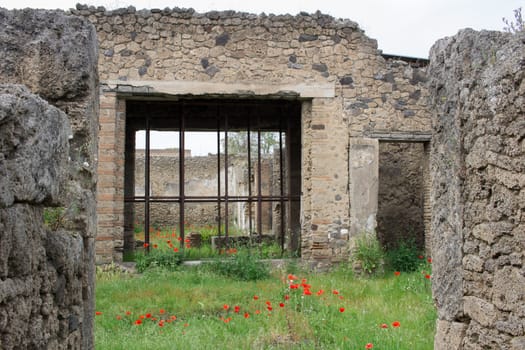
x=206 y=176
x=403 y=196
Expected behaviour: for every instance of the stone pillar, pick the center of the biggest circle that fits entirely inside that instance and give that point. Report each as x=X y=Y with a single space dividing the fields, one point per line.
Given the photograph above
x=478 y=186
x=48 y=151
x=110 y=189
x=325 y=183
x=364 y=184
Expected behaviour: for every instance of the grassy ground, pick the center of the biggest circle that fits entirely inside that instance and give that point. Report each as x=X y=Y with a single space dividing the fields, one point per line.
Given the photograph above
x=194 y=308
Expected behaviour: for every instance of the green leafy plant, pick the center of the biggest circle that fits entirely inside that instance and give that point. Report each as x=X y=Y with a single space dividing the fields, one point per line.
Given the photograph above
x=405 y=257
x=54 y=217
x=368 y=254
x=242 y=266
x=157 y=258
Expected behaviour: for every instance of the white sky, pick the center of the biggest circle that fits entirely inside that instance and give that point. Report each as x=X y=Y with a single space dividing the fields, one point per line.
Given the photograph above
x=401 y=27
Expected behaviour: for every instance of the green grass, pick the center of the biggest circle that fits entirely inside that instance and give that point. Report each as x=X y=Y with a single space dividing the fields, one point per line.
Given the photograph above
x=196 y=296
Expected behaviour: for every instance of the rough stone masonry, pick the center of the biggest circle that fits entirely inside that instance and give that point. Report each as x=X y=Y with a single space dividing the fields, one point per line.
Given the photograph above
x=48 y=143
x=478 y=175
x=351 y=96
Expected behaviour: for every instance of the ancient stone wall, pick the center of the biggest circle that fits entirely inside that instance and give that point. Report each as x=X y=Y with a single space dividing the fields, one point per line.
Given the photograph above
x=201 y=179
x=478 y=186
x=48 y=147
x=348 y=90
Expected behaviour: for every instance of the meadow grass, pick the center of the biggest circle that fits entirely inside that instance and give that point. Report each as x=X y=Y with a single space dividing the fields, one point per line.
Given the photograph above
x=186 y=309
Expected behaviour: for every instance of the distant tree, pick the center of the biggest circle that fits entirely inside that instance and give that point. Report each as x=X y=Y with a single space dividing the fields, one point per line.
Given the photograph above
x=518 y=25
x=237 y=142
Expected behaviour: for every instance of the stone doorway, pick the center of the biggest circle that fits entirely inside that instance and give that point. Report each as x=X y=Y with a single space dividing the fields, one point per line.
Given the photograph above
x=231 y=167
x=403 y=194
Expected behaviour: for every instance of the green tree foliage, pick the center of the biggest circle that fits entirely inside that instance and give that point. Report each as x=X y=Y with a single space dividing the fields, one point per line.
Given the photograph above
x=238 y=142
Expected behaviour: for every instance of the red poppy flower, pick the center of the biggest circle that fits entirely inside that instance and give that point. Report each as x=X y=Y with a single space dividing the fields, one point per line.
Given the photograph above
x=128 y=313
x=320 y=292
x=146 y=245
x=257 y=312
x=226 y=306
x=341 y=309
x=161 y=324
x=179 y=238
x=168 y=241
x=187 y=240
x=138 y=322
x=291 y=277
x=255 y=297
x=294 y=286
x=246 y=315
x=384 y=326
x=397 y=273
x=176 y=250
x=227 y=320
x=119 y=317
x=429 y=260
x=396 y=324
x=162 y=311
x=188 y=246
x=303 y=281
x=236 y=309
x=335 y=292
x=269 y=308
x=98 y=313
x=420 y=257
x=141 y=317
x=281 y=304
x=173 y=317
x=268 y=303
x=427 y=277
x=369 y=346
x=148 y=315
x=155 y=246
x=307 y=291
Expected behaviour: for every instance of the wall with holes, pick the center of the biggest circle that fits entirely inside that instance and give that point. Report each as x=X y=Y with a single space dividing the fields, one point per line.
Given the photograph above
x=48 y=148
x=478 y=176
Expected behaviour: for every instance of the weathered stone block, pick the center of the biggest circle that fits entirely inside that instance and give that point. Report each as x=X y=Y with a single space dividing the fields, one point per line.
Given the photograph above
x=481 y=311
x=34 y=147
x=449 y=335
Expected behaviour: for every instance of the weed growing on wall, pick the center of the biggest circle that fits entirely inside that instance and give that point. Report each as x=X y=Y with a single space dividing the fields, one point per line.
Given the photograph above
x=368 y=253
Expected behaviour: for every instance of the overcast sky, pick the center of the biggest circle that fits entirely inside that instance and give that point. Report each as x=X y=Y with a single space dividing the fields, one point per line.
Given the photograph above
x=401 y=27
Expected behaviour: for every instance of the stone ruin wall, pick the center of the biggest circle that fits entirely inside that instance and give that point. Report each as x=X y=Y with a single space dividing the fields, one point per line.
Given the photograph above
x=478 y=167
x=48 y=144
x=354 y=93
x=201 y=180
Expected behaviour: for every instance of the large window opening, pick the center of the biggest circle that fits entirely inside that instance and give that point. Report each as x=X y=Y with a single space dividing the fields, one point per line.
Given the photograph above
x=204 y=177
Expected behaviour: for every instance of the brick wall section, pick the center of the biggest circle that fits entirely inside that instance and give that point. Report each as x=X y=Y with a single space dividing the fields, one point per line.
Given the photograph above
x=110 y=190
x=359 y=92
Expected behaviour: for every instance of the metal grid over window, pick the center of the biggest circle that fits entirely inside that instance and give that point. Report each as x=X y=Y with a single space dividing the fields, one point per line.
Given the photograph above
x=242 y=178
